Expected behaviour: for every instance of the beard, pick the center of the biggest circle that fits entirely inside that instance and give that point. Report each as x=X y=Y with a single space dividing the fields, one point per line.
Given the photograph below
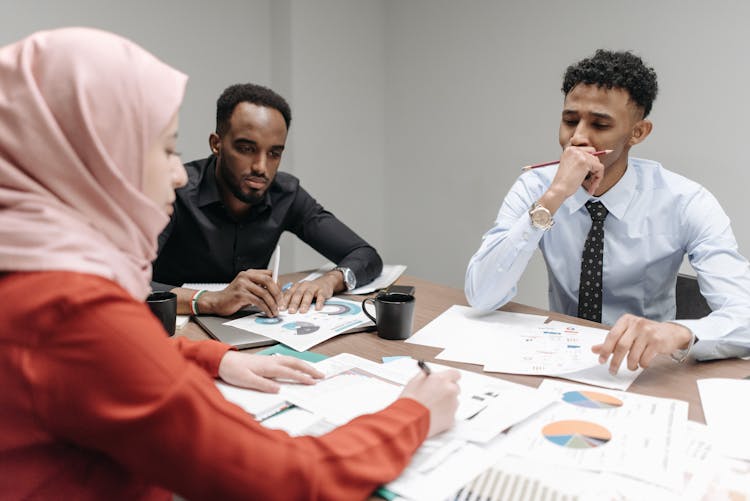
x=235 y=185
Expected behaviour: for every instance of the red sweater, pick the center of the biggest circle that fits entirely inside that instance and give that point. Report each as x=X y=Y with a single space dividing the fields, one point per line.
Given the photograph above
x=98 y=403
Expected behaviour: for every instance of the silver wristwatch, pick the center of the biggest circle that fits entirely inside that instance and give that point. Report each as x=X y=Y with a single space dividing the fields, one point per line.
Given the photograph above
x=540 y=216
x=349 y=279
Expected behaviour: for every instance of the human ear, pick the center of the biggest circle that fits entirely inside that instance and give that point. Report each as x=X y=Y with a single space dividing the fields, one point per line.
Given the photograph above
x=641 y=130
x=214 y=142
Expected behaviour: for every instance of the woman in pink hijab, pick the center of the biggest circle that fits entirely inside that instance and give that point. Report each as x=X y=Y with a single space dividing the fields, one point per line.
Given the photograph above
x=97 y=402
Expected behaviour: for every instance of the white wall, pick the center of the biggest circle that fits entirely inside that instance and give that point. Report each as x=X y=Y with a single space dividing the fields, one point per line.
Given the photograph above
x=411 y=118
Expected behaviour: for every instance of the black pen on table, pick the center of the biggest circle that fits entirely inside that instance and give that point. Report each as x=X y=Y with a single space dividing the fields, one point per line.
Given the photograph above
x=422 y=365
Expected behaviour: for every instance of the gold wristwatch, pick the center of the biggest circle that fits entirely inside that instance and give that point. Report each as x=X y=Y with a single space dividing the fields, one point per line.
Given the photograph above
x=540 y=216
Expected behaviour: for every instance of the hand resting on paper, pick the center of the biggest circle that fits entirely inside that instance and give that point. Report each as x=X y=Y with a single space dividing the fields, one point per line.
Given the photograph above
x=439 y=393
x=302 y=294
x=258 y=372
x=640 y=339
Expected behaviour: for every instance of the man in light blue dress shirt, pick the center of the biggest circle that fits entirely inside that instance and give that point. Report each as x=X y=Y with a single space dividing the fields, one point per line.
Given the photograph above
x=655 y=218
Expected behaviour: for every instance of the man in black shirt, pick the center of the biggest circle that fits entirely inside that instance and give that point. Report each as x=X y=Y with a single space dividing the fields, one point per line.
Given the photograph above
x=229 y=217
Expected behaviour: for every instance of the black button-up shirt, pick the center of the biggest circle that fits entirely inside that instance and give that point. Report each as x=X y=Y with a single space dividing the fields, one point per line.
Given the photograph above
x=204 y=243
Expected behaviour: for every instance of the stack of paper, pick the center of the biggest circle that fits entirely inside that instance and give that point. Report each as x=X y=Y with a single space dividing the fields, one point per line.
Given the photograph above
x=260 y=405
x=354 y=386
x=518 y=343
x=625 y=433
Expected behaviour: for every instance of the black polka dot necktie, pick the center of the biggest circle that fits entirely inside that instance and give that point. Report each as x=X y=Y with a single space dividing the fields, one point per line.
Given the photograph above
x=590 y=291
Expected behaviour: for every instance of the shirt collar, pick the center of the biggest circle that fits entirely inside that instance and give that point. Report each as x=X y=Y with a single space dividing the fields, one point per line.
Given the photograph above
x=616 y=200
x=208 y=190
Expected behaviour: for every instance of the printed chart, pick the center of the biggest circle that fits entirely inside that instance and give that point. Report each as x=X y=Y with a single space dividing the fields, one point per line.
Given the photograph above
x=591 y=399
x=576 y=434
x=606 y=431
x=302 y=331
x=548 y=350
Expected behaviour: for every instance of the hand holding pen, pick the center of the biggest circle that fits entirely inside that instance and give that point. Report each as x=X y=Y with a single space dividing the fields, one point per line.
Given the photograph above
x=438 y=391
x=553 y=162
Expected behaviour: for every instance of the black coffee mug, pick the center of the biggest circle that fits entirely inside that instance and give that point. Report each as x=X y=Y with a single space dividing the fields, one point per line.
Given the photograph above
x=394 y=314
x=164 y=307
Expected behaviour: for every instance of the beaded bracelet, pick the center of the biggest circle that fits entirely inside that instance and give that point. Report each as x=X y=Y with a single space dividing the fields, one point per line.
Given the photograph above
x=194 y=301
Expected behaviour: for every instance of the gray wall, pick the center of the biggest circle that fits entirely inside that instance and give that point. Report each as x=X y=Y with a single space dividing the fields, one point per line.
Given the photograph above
x=411 y=118
x=473 y=93
x=215 y=49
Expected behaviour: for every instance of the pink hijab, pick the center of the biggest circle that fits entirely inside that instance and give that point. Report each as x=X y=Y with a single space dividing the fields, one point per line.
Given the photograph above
x=79 y=109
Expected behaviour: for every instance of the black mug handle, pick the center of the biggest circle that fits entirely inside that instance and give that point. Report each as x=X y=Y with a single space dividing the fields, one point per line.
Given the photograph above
x=365 y=309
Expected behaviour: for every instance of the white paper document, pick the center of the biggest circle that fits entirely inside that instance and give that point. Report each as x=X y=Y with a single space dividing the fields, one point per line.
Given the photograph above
x=181 y=321
x=598 y=374
x=297 y=421
x=604 y=430
x=302 y=331
x=451 y=325
x=726 y=405
x=525 y=345
x=256 y=403
x=214 y=287
x=418 y=483
x=390 y=274
x=516 y=478
x=346 y=395
x=547 y=350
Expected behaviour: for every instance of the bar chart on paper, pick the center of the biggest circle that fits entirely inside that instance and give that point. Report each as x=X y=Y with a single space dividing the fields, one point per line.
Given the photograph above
x=506 y=484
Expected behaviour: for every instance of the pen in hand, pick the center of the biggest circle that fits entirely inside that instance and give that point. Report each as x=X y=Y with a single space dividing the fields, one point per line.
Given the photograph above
x=553 y=162
x=425 y=368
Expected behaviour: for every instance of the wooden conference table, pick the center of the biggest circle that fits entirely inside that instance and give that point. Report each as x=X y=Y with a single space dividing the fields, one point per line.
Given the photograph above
x=664 y=378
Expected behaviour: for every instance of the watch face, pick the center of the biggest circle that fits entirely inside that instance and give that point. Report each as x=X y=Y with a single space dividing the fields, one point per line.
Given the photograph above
x=349 y=279
x=541 y=218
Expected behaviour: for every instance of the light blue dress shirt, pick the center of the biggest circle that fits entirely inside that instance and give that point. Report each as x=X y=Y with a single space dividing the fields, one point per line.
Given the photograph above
x=655 y=218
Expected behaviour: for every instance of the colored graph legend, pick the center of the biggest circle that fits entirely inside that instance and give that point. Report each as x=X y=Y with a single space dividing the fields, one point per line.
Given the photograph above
x=575 y=434
x=591 y=399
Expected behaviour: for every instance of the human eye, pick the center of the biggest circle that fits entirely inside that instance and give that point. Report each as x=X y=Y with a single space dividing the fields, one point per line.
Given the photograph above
x=246 y=148
x=275 y=153
x=600 y=126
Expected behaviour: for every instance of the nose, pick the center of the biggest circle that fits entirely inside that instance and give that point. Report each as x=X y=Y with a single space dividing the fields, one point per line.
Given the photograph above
x=259 y=166
x=580 y=135
x=179 y=176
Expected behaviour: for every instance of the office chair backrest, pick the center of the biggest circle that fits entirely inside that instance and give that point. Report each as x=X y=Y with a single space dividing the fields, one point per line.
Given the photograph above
x=690 y=301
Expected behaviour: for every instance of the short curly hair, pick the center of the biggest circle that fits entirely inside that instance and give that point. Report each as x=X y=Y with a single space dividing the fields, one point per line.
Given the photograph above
x=610 y=69
x=250 y=93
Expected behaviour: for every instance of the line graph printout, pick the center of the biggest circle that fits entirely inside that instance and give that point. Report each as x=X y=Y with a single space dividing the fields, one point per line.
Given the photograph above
x=634 y=435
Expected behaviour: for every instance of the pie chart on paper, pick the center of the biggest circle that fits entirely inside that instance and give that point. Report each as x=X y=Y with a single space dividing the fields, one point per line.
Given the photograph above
x=591 y=399
x=576 y=434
